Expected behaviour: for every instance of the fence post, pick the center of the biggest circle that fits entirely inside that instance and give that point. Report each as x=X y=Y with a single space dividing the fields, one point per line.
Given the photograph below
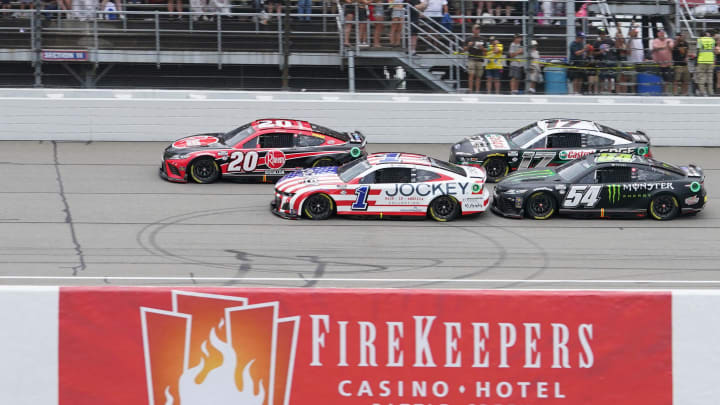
x=351 y=71
x=157 y=40
x=36 y=42
x=219 y=39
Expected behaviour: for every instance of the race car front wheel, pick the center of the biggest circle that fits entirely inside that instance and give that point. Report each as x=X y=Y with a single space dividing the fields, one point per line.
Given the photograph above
x=318 y=206
x=322 y=162
x=496 y=168
x=664 y=207
x=540 y=205
x=204 y=171
x=444 y=208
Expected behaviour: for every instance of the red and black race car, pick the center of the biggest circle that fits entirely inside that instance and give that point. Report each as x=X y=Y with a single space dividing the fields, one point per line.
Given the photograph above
x=264 y=149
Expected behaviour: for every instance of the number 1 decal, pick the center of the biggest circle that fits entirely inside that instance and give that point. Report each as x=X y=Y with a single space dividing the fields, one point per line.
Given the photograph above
x=360 y=203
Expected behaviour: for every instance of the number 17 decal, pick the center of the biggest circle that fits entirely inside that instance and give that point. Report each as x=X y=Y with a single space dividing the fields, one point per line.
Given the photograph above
x=529 y=156
x=360 y=203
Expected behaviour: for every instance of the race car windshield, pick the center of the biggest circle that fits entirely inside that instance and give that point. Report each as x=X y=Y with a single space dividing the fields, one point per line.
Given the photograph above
x=525 y=134
x=448 y=166
x=238 y=134
x=570 y=171
x=350 y=170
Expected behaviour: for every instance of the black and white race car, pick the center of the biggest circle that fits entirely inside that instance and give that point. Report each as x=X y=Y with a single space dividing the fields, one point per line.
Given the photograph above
x=549 y=142
x=603 y=185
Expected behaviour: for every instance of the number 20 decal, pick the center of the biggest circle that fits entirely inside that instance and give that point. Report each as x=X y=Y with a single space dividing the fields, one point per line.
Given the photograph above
x=360 y=203
x=545 y=159
x=582 y=195
x=243 y=162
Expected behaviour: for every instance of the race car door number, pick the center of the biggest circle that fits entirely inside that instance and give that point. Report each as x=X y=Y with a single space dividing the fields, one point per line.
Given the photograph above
x=243 y=162
x=582 y=195
x=529 y=156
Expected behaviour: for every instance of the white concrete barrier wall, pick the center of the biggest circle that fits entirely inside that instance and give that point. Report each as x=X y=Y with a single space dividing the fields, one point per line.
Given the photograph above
x=159 y=115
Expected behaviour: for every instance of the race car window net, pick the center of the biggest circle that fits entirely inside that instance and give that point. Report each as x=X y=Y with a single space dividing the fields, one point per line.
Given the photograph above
x=448 y=166
x=425 y=175
x=393 y=175
x=277 y=140
x=304 y=141
x=525 y=134
x=350 y=170
x=564 y=140
x=594 y=140
x=237 y=135
x=642 y=174
x=613 y=175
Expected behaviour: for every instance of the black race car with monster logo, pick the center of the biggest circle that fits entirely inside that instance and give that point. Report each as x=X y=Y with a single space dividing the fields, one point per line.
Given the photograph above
x=603 y=185
x=549 y=142
x=263 y=149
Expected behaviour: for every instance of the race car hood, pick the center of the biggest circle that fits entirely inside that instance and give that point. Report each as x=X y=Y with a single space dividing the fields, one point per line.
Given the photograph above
x=195 y=143
x=528 y=176
x=481 y=143
x=316 y=176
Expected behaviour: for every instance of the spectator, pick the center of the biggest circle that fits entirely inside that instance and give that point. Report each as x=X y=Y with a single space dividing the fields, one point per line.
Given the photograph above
x=175 y=6
x=547 y=12
x=349 y=11
x=493 y=70
x=534 y=74
x=508 y=10
x=304 y=7
x=479 y=12
x=416 y=7
x=199 y=6
x=475 y=48
x=680 y=65
x=84 y=9
x=398 y=16
x=621 y=56
x=635 y=47
x=26 y=4
x=274 y=6
x=435 y=10
x=593 y=77
x=705 y=61
x=716 y=37
x=578 y=56
x=662 y=55
x=363 y=21
x=605 y=57
x=378 y=18
x=517 y=61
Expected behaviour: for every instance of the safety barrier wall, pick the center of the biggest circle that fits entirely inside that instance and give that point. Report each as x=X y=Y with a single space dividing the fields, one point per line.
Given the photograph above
x=154 y=115
x=157 y=345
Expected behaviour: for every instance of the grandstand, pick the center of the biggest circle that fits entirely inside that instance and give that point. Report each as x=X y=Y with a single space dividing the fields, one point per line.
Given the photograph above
x=145 y=45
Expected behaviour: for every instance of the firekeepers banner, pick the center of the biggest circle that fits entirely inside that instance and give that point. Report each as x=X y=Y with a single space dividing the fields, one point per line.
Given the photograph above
x=162 y=346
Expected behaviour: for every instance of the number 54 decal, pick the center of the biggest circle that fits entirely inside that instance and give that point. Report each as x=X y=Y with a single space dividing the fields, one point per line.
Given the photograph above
x=529 y=156
x=582 y=195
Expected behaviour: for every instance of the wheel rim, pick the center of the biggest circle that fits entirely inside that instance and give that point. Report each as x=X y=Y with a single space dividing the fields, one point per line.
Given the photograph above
x=204 y=169
x=664 y=206
x=318 y=205
x=444 y=206
x=495 y=168
x=541 y=205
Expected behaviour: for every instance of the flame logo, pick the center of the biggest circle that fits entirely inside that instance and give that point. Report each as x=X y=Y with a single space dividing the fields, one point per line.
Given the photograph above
x=247 y=358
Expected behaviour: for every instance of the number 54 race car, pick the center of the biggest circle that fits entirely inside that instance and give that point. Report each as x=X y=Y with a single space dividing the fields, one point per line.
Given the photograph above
x=262 y=149
x=603 y=185
x=383 y=184
x=550 y=142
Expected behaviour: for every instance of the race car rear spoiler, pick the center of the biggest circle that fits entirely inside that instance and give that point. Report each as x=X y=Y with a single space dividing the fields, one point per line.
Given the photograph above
x=356 y=137
x=640 y=137
x=694 y=171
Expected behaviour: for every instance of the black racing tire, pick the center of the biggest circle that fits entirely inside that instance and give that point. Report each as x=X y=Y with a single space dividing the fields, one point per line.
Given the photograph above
x=323 y=162
x=540 y=205
x=664 y=207
x=204 y=170
x=444 y=208
x=318 y=206
x=496 y=168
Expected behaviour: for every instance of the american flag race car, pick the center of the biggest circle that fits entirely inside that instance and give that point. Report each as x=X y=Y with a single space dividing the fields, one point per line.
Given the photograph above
x=549 y=142
x=263 y=149
x=383 y=185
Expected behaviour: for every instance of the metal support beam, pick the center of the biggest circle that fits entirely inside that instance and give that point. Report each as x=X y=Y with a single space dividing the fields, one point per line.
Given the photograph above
x=530 y=35
x=36 y=41
x=351 y=70
x=286 y=46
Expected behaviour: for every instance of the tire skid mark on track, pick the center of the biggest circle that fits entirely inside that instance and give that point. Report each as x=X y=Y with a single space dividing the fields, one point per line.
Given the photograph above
x=543 y=254
x=68 y=215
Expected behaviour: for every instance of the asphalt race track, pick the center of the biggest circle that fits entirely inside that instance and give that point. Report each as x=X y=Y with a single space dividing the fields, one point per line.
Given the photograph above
x=97 y=213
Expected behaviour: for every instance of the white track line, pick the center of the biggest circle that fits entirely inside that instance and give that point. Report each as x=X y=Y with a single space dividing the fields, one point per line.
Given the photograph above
x=374 y=280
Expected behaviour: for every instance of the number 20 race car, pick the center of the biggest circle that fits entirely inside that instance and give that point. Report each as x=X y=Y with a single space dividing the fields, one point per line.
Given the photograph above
x=603 y=185
x=550 y=142
x=262 y=149
x=383 y=184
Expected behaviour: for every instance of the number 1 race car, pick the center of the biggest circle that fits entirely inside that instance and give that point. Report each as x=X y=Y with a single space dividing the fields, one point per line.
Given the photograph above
x=262 y=149
x=603 y=185
x=550 y=142
x=383 y=184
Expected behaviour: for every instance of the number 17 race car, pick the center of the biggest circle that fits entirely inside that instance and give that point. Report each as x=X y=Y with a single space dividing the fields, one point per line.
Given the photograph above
x=603 y=185
x=382 y=185
x=550 y=142
x=263 y=149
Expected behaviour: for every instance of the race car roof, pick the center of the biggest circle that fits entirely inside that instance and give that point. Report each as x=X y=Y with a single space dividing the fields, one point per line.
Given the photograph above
x=567 y=123
x=398 y=157
x=613 y=157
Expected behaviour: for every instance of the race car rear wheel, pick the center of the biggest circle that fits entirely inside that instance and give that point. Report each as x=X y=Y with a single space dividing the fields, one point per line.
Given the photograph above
x=444 y=208
x=496 y=168
x=540 y=205
x=664 y=207
x=322 y=162
x=204 y=170
x=318 y=206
